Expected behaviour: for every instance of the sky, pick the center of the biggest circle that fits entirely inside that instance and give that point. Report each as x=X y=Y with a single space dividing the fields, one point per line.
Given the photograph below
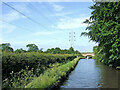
x=46 y=24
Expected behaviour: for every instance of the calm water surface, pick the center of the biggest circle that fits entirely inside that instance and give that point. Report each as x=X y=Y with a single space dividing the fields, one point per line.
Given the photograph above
x=92 y=74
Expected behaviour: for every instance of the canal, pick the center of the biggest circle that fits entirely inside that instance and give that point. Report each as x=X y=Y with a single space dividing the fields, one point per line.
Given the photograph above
x=90 y=73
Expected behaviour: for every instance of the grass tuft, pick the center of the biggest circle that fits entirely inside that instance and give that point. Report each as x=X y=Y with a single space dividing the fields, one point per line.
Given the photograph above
x=52 y=76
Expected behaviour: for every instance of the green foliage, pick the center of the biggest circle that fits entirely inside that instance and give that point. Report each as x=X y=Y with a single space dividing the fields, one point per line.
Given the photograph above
x=104 y=28
x=41 y=50
x=98 y=53
x=71 y=49
x=19 y=79
x=57 y=50
x=6 y=47
x=32 y=47
x=21 y=64
x=20 y=67
x=51 y=76
x=20 y=50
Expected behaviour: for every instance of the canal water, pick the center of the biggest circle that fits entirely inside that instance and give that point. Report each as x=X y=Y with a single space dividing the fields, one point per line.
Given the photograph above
x=90 y=73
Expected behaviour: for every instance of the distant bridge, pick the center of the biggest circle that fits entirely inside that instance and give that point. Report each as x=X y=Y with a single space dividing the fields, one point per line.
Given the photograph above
x=87 y=54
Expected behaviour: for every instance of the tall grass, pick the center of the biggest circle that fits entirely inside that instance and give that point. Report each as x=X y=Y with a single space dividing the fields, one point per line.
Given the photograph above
x=20 y=69
x=52 y=76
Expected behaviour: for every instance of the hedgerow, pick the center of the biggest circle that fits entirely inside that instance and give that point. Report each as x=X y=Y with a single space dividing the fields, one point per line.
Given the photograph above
x=52 y=76
x=19 y=69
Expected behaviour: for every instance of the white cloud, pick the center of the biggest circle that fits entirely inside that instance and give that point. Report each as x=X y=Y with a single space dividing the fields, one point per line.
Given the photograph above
x=63 y=14
x=71 y=23
x=22 y=7
x=73 y=12
x=11 y=16
x=46 y=33
x=57 y=7
x=6 y=28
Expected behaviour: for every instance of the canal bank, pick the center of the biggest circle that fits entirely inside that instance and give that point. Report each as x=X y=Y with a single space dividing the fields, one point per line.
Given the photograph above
x=63 y=78
x=52 y=76
x=90 y=73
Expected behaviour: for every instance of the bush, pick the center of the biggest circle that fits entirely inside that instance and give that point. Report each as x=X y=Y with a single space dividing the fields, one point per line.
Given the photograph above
x=16 y=63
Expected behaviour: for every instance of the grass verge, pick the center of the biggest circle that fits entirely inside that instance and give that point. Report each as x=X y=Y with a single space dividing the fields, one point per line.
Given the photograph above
x=52 y=76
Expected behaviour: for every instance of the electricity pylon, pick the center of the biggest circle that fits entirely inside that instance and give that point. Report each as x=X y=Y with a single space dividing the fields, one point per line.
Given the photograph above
x=72 y=38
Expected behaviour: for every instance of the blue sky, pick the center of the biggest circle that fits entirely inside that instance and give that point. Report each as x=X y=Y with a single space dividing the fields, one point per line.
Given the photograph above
x=56 y=20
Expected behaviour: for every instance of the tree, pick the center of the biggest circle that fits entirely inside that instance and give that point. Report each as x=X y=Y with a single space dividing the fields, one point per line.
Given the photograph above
x=57 y=50
x=98 y=52
x=52 y=51
x=32 y=47
x=6 y=47
x=41 y=50
x=48 y=51
x=20 y=50
x=104 y=28
x=71 y=50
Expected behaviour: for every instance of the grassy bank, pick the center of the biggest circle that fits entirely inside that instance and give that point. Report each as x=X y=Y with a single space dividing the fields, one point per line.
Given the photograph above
x=20 y=69
x=52 y=76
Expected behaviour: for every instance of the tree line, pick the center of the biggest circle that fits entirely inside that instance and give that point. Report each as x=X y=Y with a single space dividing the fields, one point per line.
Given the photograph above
x=34 y=48
x=104 y=29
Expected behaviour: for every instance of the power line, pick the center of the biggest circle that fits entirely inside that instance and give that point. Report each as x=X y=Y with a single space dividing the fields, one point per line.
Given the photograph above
x=25 y=15
x=40 y=13
x=25 y=29
x=50 y=10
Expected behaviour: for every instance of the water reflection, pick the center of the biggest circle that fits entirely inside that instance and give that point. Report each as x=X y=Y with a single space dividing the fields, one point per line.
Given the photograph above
x=92 y=74
x=109 y=76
